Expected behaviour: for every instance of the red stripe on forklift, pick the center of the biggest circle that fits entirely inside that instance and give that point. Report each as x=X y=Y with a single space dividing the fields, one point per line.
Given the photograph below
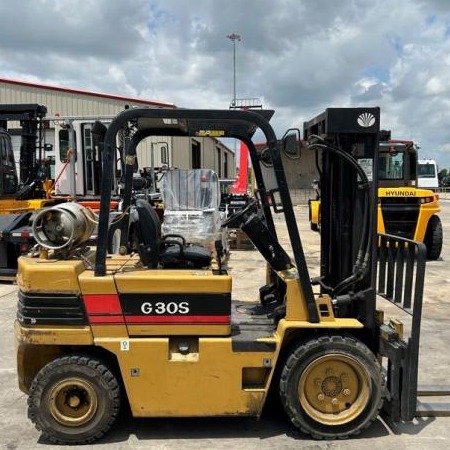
x=187 y=320
x=102 y=304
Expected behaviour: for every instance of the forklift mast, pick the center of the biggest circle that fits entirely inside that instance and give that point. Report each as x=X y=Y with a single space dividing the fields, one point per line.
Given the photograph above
x=347 y=160
x=31 y=118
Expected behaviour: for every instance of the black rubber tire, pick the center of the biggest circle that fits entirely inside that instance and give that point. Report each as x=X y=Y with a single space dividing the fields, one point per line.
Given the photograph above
x=433 y=238
x=356 y=407
x=314 y=226
x=60 y=382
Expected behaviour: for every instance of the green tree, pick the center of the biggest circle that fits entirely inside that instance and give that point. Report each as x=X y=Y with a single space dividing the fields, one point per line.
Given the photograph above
x=442 y=175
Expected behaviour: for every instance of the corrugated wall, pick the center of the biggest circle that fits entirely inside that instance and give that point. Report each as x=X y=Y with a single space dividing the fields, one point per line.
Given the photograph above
x=65 y=103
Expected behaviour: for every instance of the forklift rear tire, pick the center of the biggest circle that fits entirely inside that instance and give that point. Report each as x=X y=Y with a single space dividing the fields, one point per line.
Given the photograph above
x=433 y=238
x=331 y=387
x=74 y=400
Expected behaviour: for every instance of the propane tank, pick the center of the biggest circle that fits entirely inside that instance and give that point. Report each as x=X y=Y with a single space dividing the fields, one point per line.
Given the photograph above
x=63 y=226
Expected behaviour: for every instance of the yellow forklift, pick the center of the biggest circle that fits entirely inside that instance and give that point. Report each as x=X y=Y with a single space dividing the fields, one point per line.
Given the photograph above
x=157 y=329
x=404 y=209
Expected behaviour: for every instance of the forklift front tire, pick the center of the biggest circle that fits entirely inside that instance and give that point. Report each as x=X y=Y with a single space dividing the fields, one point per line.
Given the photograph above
x=74 y=400
x=433 y=238
x=331 y=387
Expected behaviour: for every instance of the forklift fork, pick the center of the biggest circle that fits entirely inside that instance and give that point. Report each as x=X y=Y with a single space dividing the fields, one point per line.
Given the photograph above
x=401 y=273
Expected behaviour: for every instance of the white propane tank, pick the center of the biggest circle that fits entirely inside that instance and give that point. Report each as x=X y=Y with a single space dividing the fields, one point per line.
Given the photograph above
x=63 y=226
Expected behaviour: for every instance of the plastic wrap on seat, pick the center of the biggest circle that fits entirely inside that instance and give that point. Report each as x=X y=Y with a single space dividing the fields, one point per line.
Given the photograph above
x=196 y=227
x=191 y=205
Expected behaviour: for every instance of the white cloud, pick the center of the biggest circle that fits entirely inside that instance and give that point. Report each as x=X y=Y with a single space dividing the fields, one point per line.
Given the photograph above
x=301 y=56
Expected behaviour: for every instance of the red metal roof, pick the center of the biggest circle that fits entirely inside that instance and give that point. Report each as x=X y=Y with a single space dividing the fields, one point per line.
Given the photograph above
x=83 y=92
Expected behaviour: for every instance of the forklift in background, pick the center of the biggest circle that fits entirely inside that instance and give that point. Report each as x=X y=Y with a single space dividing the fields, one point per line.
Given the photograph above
x=404 y=209
x=158 y=330
x=28 y=193
x=20 y=198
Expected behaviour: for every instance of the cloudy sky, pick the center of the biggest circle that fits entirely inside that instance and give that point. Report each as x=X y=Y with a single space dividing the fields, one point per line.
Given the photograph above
x=298 y=56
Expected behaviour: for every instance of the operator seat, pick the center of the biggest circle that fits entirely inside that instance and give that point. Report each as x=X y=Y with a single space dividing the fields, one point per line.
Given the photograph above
x=148 y=231
x=170 y=251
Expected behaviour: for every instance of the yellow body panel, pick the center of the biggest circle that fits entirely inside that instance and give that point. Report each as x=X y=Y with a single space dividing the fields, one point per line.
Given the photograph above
x=109 y=331
x=335 y=323
x=57 y=335
x=179 y=330
x=428 y=208
x=216 y=382
x=122 y=263
x=91 y=284
x=12 y=206
x=37 y=345
x=296 y=309
x=49 y=275
x=173 y=281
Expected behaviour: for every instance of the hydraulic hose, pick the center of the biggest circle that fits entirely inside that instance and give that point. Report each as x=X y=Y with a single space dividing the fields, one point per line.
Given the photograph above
x=360 y=266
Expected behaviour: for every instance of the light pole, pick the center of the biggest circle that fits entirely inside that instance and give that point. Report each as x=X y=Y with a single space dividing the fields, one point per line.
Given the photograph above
x=234 y=37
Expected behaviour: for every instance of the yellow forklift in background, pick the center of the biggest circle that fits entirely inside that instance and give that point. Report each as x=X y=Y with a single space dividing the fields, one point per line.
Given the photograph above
x=20 y=197
x=404 y=209
x=158 y=329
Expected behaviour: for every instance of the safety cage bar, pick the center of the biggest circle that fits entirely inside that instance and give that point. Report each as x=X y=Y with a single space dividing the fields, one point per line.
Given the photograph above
x=400 y=280
x=184 y=122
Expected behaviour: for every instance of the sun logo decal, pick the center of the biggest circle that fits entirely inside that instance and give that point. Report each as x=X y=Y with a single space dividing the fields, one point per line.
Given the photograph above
x=366 y=120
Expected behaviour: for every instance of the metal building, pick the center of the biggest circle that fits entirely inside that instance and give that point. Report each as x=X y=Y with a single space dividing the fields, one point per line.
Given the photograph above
x=67 y=105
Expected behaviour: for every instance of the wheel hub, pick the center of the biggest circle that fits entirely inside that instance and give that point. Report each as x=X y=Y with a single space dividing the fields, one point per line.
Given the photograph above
x=334 y=389
x=73 y=402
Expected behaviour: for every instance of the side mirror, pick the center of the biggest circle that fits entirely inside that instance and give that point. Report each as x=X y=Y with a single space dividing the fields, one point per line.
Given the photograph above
x=291 y=143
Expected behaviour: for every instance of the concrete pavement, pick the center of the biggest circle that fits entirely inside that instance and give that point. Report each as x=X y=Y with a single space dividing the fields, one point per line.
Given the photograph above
x=273 y=431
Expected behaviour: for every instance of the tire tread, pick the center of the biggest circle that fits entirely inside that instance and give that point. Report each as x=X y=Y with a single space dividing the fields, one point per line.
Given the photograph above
x=296 y=356
x=76 y=360
x=434 y=238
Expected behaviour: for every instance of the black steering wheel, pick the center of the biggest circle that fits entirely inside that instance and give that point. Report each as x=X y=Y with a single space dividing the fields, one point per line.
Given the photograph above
x=239 y=215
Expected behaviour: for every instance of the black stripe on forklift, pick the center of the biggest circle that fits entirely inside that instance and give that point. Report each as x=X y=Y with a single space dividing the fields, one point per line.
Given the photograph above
x=40 y=309
x=175 y=305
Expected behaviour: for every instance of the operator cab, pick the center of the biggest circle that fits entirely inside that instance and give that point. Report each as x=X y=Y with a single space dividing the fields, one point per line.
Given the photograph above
x=397 y=164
